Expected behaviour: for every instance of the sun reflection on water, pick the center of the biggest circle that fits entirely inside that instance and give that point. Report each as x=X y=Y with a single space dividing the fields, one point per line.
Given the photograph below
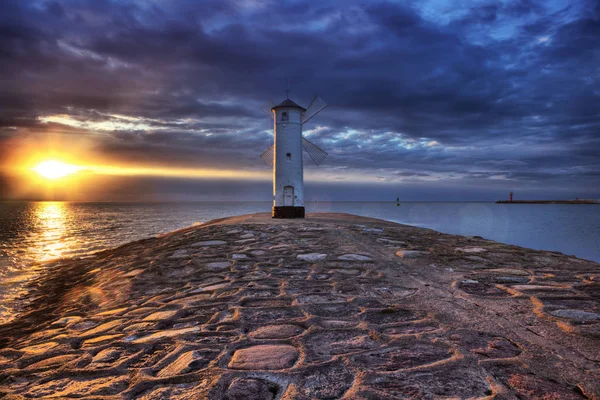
x=46 y=239
x=52 y=219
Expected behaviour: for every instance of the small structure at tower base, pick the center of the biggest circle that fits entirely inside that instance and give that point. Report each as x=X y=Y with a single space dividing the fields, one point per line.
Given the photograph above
x=288 y=212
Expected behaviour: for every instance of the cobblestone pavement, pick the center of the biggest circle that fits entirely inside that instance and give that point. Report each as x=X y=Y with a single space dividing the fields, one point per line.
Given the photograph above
x=331 y=307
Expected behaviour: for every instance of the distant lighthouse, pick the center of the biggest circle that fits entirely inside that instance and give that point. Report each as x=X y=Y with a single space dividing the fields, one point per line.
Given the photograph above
x=285 y=155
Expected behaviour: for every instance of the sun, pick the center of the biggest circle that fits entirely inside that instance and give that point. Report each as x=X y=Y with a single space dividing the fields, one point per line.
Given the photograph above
x=53 y=169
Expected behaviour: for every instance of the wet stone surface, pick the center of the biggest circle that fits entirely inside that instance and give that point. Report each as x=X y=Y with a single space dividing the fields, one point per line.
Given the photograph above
x=402 y=355
x=330 y=307
x=264 y=357
x=276 y=332
x=311 y=257
x=324 y=344
x=391 y=315
x=242 y=389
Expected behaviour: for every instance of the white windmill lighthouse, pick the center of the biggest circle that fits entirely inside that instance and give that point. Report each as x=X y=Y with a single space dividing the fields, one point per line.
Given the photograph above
x=285 y=155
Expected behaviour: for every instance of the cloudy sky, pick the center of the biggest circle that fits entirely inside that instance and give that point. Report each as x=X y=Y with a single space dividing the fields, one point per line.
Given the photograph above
x=428 y=100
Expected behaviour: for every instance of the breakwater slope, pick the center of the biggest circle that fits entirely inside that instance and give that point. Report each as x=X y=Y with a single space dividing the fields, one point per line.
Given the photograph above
x=334 y=306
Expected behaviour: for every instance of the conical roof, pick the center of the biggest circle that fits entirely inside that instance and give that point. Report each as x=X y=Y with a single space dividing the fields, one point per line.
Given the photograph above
x=288 y=103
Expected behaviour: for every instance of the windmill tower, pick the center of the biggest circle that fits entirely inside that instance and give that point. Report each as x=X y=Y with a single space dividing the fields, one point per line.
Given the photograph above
x=285 y=155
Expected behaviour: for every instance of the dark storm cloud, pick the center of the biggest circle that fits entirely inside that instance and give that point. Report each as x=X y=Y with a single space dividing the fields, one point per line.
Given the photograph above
x=417 y=90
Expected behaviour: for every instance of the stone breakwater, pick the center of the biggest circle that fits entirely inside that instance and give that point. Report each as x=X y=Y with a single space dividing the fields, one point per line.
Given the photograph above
x=331 y=307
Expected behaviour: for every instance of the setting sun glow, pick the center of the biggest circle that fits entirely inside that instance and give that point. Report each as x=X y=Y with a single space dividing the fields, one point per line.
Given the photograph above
x=53 y=169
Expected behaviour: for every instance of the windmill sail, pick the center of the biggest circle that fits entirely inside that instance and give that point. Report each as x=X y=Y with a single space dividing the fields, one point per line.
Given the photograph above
x=315 y=106
x=315 y=152
x=269 y=155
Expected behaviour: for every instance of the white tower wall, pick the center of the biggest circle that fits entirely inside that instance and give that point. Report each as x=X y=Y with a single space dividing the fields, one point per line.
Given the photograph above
x=288 y=184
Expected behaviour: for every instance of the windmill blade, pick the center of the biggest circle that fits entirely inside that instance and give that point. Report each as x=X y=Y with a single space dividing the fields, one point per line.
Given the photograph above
x=269 y=155
x=266 y=108
x=315 y=106
x=315 y=152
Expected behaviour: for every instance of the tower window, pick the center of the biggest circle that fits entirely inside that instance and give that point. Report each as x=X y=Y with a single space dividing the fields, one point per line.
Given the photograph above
x=288 y=156
x=284 y=116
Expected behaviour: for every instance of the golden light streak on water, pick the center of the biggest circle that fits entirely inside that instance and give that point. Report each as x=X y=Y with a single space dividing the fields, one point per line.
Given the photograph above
x=49 y=241
x=52 y=217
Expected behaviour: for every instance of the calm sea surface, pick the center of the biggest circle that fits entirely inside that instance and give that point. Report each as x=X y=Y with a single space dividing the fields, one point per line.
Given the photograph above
x=31 y=232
